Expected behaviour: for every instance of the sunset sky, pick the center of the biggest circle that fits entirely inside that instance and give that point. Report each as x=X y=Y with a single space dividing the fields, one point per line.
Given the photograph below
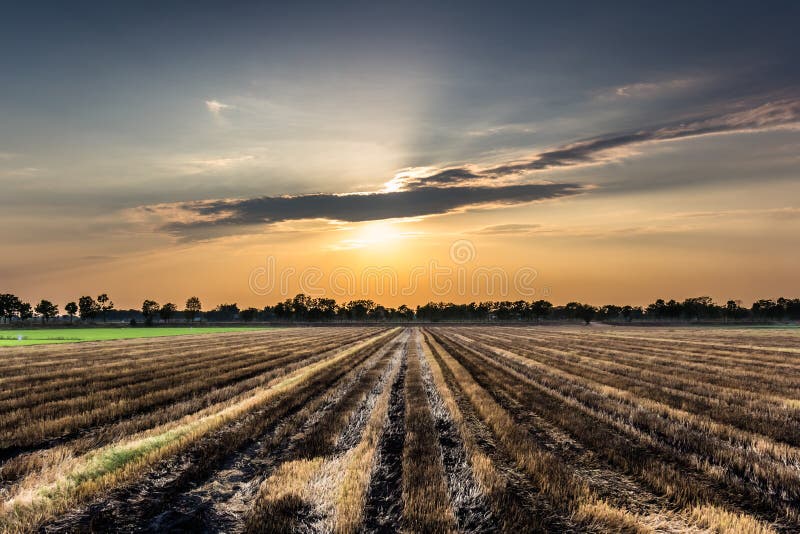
x=168 y=149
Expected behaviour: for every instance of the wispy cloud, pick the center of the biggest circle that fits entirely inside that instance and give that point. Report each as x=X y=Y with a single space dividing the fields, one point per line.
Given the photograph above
x=585 y=231
x=98 y=257
x=192 y=164
x=667 y=224
x=600 y=149
x=508 y=229
x=216 y=107
x=777 y=213
x=651 y=89
x=503 y=129
x=21 y=172
x=211 y=164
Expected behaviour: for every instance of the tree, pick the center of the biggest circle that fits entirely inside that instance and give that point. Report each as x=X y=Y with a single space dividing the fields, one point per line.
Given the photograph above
x=300 y=305
x=587 y=312
x=358 y=309
x=627 y=313
x=47 y=310
x=378 y=313
x=9 y=304
x=405 y=313
x=71 y=309
x=576 y=310
x=193 y=308
x=224 y=312
x=657 y=309
x=248 y=314
x=793 y=309
x=167 y=311
x=24 y=311
x=88 y=308
x=503 y=310
x=609 y=312
x=283 y=310
x=540 y=309
x=149 y=309
x=733 y=310
x=768 y=309
x=105 y=303
x=326 y=308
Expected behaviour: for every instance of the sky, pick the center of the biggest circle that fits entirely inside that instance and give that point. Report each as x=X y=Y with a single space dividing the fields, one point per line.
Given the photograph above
x=403 y=152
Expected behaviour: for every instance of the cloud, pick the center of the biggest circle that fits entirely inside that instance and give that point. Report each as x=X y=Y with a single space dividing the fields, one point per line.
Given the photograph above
x=216 y=107
x=420 y=192
x=650 y=89
x=508 y=229
x=664 y=225
x=22 y=172
x=443 y=177
x=97 y=257
x=786 y=213
x=222 y=162
x=497 y=130
x=764 y=116
x=196 y=166
x=191 y=219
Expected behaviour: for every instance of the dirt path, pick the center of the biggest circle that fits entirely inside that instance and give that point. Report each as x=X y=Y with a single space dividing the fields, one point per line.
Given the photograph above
x=384 y=506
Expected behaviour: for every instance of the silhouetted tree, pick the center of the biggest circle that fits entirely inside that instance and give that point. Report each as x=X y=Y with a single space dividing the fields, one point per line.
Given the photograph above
x=149 y=309
x=609 y=312
x=541 y=309
x=88 y=308
x=627 y=313
x=733 y=310
x=357 y=310
x=326 y=307
x=224 y=312
x=587 y=313
x=283 y=310
x=47 y=310
x=793 y=309
x=25 y=311
x=405 y=313
x=305 y=308
x=167 y=311
x=672 y=310
x=9 y=305
x=193 y=308
x=378 y=313
x=774 y=310
x=248 y=314
x=105 y=303
x=698 y=308
x=71 y=309
x=300 y=306
x=576 y=310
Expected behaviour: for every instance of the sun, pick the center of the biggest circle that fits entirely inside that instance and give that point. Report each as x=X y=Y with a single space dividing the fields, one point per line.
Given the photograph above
x=370 y=235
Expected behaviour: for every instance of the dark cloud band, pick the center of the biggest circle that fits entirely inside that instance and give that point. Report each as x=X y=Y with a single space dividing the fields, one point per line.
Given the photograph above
x=755 y=117
x=361 y=207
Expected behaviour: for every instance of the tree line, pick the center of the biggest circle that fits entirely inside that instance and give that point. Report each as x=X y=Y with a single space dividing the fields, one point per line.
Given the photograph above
x=303 y=308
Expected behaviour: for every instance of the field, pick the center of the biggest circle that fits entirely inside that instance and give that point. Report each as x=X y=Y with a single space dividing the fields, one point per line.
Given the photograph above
x=434 y=429
x=38 y=336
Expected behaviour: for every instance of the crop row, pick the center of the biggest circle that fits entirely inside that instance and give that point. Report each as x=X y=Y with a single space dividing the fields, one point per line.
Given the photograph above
x=440 y=429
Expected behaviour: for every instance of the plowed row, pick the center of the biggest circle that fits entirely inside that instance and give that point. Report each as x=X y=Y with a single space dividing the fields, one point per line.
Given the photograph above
x=443 y=429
